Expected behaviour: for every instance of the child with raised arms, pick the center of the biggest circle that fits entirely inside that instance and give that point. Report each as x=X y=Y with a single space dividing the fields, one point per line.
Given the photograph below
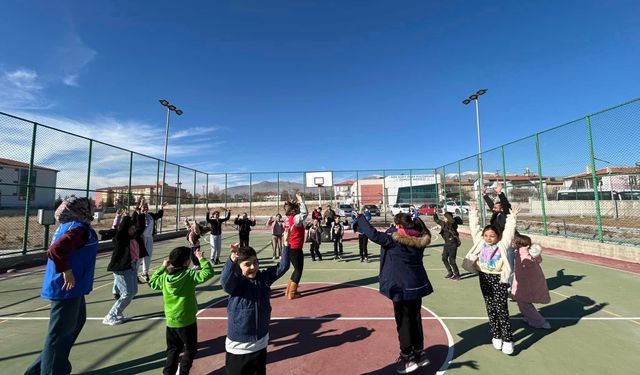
x=249 y=308
x=178 y=284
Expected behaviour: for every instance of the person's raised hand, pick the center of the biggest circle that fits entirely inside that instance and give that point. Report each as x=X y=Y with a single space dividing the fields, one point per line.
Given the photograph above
x=498 y=188
x=234 y=252
x=299 y=197
x=515 y=209
x=199 y=253
x=473 y=206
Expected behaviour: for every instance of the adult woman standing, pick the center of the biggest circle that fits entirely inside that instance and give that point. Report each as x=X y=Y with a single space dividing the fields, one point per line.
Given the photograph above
x=68 y=278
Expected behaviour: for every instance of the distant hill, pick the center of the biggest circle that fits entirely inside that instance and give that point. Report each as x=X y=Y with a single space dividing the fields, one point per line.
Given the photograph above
x=270 y=187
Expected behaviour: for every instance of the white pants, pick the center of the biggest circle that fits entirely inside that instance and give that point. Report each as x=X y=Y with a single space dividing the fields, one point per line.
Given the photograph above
x=146 y=261
x=216 y=243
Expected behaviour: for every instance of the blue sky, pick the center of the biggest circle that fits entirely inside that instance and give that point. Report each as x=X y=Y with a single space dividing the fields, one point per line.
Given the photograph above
x=315 y=85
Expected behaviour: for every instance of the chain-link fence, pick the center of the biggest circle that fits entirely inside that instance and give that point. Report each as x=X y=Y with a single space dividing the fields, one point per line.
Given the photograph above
x=579 y=179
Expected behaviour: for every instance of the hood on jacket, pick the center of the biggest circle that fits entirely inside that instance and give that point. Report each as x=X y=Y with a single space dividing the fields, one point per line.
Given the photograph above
x=176 y=278
x=417 y=242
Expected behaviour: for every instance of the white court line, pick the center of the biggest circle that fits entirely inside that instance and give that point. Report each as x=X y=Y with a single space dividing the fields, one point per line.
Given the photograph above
x=364 y=318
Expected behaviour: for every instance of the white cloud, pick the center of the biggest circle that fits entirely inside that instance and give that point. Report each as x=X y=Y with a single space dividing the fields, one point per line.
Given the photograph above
x=71 y=80
x=194 y=132
x=21 y=89
x=74 y=56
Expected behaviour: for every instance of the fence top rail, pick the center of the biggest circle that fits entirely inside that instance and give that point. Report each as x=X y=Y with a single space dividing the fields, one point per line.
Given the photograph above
x=383 y=170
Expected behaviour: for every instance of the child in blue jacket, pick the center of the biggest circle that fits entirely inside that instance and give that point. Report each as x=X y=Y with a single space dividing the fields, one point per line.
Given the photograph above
x=403 y=279
x=249 y=308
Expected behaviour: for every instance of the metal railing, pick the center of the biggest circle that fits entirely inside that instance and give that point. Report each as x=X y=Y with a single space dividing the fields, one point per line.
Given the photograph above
x=551 y=174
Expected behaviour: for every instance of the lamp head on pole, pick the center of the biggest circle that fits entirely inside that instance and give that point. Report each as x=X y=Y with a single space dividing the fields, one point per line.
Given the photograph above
x=466 y=101
x=164 y=102
x=179 y=112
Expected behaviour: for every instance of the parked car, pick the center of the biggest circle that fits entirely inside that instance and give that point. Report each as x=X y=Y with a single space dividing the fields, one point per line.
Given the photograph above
x=429 y=209
x=456 y=209
x=373 y=209
x=400 y=207
x=344 y=209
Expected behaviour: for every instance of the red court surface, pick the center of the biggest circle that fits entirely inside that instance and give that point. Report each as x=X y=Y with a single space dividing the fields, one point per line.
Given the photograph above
x=331 y=329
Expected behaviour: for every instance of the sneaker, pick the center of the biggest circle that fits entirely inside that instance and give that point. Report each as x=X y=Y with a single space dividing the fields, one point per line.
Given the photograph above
x=406 y=364
x=546 y=325
x=448 y=276
x=507 y=347
x=273 y=258
x=361 y=260
x=497 y=343
x=455 y=277
x=421 y=358
x=116 y=296
x=112 y=321
x=366 y=260
x=217 y=260
x=143 y=279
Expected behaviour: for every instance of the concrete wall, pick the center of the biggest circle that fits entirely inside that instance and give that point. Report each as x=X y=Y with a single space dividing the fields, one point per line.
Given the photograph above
x=586 y=208
x=606 y=250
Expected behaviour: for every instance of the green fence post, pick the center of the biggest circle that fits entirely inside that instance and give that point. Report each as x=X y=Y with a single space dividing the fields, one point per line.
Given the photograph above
x=130 y=174
x=193 y=197
x=357 y=202
x=459 y=190
x=541 y=186
x=278 y=194
x=444 y=186
x=250 y=192
x=157 y=195
x=226 y=193
x=89 y=168
x=178 y=199
x=594 y=179
x=385 y=196
x=206 y=193
x=411 y=186
x=25 y=239
x=504 y=173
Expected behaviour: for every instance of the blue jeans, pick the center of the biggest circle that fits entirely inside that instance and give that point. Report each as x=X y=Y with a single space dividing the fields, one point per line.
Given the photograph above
x=125 y=283
x=66 y=320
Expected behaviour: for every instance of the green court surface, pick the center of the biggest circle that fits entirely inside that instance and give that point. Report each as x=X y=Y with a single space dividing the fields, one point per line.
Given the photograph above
x=594 y=313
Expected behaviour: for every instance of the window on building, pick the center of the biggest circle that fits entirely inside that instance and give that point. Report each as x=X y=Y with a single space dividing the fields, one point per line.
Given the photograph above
x=23 y=180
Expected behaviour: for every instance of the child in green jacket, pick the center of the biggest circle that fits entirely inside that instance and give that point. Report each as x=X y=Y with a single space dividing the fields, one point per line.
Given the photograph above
x=178 y=285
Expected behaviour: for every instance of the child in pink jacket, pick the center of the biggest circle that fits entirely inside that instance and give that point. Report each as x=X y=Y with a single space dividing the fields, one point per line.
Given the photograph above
x=529 y=284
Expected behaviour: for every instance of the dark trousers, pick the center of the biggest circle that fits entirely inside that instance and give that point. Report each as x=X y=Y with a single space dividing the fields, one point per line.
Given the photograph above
x=297 y=261
x=449 y=258
x=409 y=325
x=244 y=239
x=194 y=258
x=66 y=320
x=495 y=299
x=337 y=246
x=315 y=250
x=179 y=339
x=363 y=241
x=246 y=364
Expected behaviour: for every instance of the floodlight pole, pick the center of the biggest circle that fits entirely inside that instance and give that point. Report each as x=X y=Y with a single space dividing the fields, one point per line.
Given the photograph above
x=481 y=183
x=164 y=168
x=476 y=98
x=170 y=107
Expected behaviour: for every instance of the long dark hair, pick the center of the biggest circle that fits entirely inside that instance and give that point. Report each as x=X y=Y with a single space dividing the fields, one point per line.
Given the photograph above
x=408 y=222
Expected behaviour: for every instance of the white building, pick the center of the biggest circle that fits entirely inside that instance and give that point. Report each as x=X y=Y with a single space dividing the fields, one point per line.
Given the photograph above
x=13 y=185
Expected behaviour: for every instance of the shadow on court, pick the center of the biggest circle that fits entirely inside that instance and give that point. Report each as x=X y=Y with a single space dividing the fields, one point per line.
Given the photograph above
x=524 y=336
